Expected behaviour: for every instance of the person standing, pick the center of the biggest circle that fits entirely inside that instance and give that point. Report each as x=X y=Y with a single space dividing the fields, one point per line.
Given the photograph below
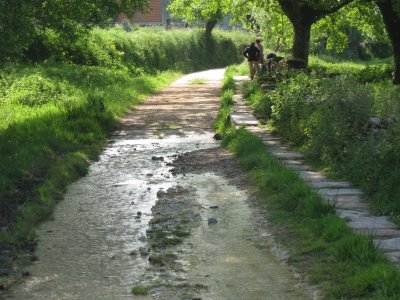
x=252 y=54
x=261 y=48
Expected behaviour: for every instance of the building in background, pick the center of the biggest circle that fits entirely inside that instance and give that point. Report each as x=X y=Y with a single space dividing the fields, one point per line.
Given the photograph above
x=156 y=16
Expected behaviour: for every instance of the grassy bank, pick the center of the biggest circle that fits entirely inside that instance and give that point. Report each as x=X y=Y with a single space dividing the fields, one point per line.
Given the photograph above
x=55 y=116
x=346 y=121
x=344 y=264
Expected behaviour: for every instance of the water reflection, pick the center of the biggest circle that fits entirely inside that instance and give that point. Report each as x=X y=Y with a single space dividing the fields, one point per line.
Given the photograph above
x=84 y=253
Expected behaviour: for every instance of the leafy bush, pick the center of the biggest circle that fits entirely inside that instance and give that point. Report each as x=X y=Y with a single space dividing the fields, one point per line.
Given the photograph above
x=328 y=119
x=293 y=103
x=36 y=89
x=150 y=49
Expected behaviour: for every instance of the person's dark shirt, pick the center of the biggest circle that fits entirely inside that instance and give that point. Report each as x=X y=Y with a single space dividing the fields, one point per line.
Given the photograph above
x=252 y=53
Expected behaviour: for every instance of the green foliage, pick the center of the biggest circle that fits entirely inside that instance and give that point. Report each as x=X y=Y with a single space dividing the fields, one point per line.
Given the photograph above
x=25 y=24
x=192 y=11
x=140 y=290
x=150 y=50
x=36 y=89
x=258 y=99
x=326 y=115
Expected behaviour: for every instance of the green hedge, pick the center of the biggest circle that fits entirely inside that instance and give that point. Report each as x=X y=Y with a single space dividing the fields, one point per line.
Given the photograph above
x=152 y=49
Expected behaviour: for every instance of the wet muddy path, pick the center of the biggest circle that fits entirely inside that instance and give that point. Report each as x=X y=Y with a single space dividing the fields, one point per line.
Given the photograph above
x=162 y=189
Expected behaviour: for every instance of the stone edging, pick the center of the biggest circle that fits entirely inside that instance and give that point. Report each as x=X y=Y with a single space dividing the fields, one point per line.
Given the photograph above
x=348 y=201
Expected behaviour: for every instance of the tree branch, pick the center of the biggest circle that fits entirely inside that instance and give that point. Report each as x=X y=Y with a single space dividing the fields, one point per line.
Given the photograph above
x=337 y=7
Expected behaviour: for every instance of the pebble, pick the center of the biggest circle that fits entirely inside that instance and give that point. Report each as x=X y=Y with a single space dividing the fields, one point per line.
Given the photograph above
x=149 y=188
x=142 y=238
x=213 y=206
x=149 y=174
x=157 y=158
x=218 y=137
x=143 y=251
x=133 y=253
x=25 y=273
x=160 y=193
x=212 y=221
x=34 y=258
x=139 y=213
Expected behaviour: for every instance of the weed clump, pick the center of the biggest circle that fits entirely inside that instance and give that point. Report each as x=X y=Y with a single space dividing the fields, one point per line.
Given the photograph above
x=140 y=290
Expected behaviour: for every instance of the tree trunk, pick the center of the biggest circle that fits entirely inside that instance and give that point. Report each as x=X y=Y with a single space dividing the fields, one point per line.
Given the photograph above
x=301 y=44
x=211 y=23
x=392 y=23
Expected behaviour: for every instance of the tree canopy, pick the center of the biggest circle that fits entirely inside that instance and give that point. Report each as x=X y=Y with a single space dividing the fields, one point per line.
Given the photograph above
x=206 y=11
x=21 y=21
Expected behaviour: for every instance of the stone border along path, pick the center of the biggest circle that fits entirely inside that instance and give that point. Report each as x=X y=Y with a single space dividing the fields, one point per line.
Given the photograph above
x=348 y=201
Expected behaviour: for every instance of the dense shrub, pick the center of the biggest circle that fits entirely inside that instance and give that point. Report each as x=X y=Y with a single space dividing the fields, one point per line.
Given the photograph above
x=328 y=118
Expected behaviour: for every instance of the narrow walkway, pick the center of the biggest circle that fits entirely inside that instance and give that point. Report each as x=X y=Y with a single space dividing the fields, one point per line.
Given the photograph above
x=348 y=200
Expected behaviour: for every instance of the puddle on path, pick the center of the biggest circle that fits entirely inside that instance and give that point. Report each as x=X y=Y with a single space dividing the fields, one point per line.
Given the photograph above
x=84 y=252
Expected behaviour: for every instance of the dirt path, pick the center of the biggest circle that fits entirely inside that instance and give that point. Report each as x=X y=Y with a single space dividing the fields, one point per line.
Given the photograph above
x=164 y=209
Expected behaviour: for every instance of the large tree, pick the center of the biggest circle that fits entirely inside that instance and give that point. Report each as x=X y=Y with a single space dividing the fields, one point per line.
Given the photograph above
x=303 y=14
x=209 y=12
x=390 y=10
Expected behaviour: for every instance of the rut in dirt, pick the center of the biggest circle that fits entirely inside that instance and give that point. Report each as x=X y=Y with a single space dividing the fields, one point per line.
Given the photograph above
x=93 y=247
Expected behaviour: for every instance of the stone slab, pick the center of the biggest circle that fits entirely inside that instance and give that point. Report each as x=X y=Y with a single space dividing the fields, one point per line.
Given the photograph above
x=393 y=256
x=290 y=155
x=257 y=131
x=271 y=142
x=379 y=233
x=312 y=176
x=388 y=245
x=339 y=192
x=279 y=148
x=319 y=184
x=238 y=97
x=293 y=162
x=299 y=167
x=241 y=108
x=357 y=219
x=348 y=202
x=244 y=119
x=241 y=78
